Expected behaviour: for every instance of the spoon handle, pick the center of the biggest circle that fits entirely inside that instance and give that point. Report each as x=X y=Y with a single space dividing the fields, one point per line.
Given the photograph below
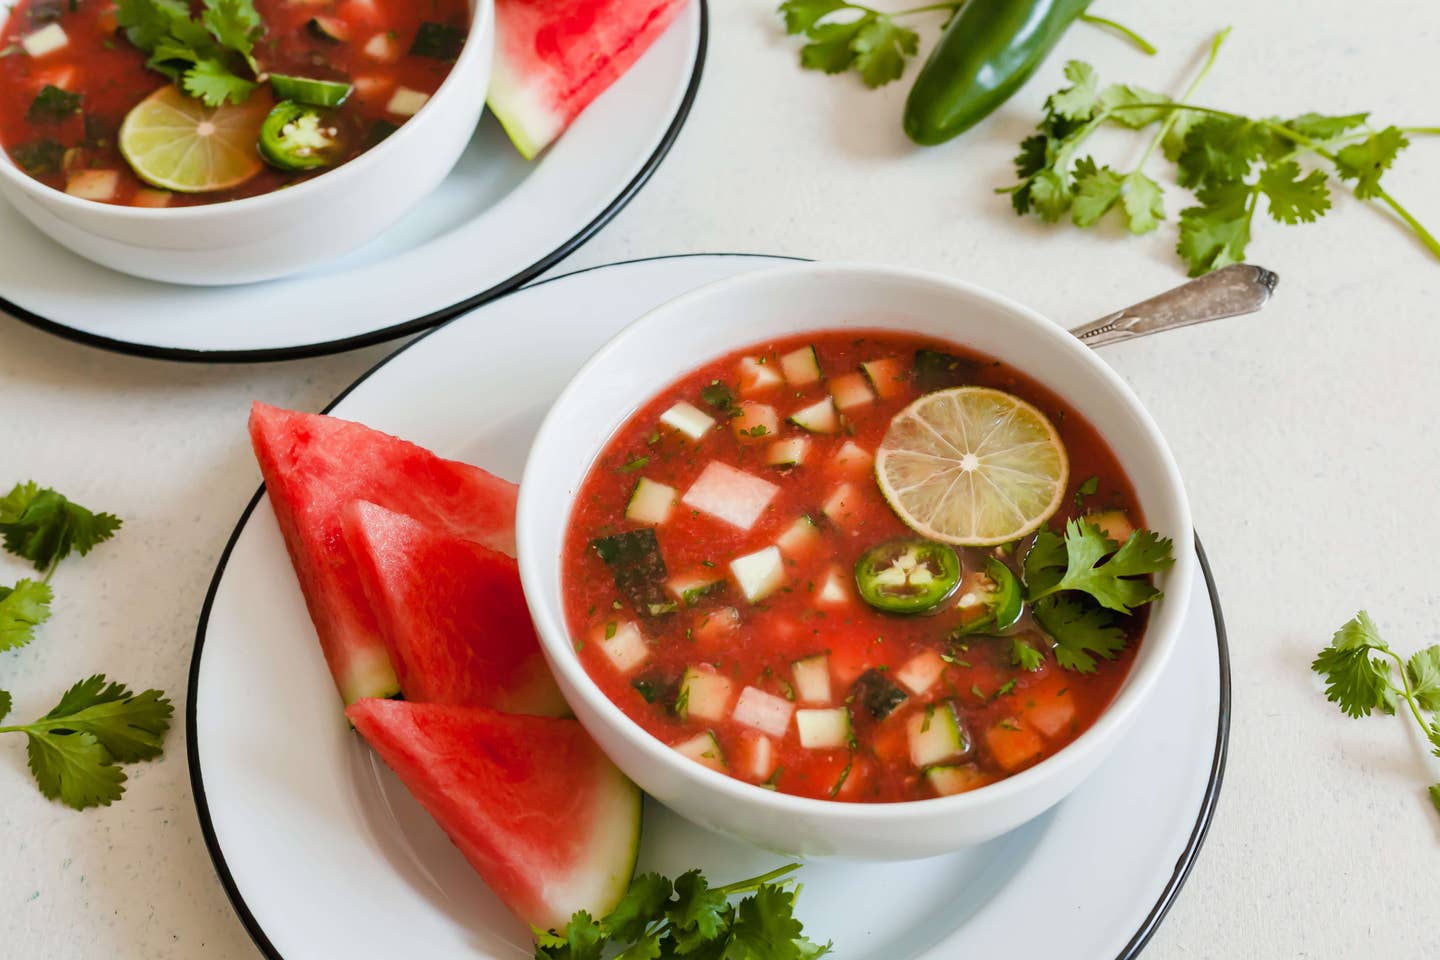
x=1228 y=292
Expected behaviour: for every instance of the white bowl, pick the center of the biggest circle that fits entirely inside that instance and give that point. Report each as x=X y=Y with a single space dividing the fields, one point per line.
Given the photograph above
x=670 y=341
x=268 y=236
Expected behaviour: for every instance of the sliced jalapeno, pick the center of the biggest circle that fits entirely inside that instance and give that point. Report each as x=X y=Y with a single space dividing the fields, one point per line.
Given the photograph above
x=299 y=137
x=1003 y=602
x=321 y=93
x=907 y=575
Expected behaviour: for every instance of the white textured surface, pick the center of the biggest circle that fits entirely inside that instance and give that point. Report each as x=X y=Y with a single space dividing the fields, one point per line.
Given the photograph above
x=1308 y=437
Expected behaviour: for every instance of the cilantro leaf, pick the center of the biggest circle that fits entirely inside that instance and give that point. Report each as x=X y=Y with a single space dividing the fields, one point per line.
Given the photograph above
x=698 y=913
x=1318 y=126
x=53 y=103
x=5 y=703
x=1047 y=195
x=765 y=927
x=1081 y=631
x=1366 y=161
x=1079 y=100
x=1216 y=232
x=235 y=24
x=43 y=526
x=647 y=897
x=131 y=727
x=1221 y=150
x=147 y=22
x=39 y=156
x=1423 y=671
x=1434 y=790
x=213 y=83
x=881 y=49
x=1356 y=681
x=1094 y=565
x=1294 y=198
x=1144 y=203
x=1118 y=96
x=74 y=768
x=645 y=947
x=1024 y=655
x=23 y=607
x=1097 y=189
x=801 y=15
x=1044 y=564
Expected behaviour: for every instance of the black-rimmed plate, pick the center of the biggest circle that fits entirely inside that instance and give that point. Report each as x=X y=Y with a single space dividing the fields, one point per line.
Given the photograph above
x=496 y=222
x=296 y=811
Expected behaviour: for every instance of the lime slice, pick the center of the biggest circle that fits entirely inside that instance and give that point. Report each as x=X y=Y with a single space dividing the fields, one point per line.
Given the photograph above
x=972 y=466
x=176 y=142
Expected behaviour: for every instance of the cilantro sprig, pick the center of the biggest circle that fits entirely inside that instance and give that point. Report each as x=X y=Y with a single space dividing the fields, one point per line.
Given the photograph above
x=842 y=36
x=74 y=750
x=1079 y=584
x=1360 y=672
x=42 y=527
x=209 y=55
x=689 y=918
x=1229 y=161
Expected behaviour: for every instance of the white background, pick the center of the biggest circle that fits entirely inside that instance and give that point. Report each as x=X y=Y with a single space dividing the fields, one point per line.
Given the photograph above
x=1307 y=436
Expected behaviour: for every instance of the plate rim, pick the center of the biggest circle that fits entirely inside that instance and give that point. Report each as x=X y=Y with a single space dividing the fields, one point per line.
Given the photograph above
x=428 y=321
x=1134 y=946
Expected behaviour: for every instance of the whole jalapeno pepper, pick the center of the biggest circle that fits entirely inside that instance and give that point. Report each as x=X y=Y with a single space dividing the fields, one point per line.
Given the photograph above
x=986 y=53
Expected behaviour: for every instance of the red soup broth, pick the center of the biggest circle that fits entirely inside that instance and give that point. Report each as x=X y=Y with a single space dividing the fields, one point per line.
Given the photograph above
x=716 y=677
x=109 y=73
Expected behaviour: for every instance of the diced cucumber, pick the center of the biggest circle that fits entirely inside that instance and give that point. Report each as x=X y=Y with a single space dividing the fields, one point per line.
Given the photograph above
x=788 y=453
x=688 y=419
x=93 y=184
x=152 y=198
x=799 y=537
x=716 y=625
x=731 y=495
x=850 y=390
x=704 y=694
x=818 y=417
x=763 y=711
x=936 y=734
x=1115 y=524
x=833 y=591
x=759 y=574
x=634 y=560
x=852 y=458
x=755 y=422
x=329 y=28
x=920 y=672
x=801 y=367
x=886 y=376
x=757 y=377
x=840 y=505
x=46 y=40
x=950 y=780
x=823 y=729
x=812 y=678
x=874 y=692
x=756 y=757
x=623 y=645
x=405 y=102
x=703 y=748
x=382 y=48
x=691 y=588
x=650 y=502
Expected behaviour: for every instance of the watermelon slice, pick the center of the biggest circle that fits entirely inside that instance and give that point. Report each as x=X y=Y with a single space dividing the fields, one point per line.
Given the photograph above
x=312 y=466
x=545 y=818
x=552 y=57
x=452 y=614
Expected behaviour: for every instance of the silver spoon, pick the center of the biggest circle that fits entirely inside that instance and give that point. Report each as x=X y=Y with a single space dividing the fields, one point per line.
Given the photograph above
x=1231 y=291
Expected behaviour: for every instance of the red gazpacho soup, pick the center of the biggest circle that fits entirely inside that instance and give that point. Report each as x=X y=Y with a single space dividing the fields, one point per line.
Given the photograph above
x=159 y=103
x=748 y=584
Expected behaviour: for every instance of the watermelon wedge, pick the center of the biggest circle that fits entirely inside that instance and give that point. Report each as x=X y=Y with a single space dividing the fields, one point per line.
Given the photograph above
x=312 y=466
x=545 y=818
x=452 y=614
x=553 y=57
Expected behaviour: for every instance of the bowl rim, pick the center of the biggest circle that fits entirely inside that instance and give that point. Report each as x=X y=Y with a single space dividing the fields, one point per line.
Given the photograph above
x=1163 y=626
x=482 y=25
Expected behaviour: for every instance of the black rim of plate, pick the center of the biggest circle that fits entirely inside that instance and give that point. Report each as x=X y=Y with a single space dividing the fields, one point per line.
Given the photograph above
x=429 y=320
x=1183 y=865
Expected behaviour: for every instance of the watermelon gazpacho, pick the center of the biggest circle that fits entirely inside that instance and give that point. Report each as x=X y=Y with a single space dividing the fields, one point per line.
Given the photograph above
x=859 y=565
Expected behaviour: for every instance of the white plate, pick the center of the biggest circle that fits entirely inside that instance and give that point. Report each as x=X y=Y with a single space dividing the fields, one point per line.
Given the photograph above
x=296 y=812
x=495 y=223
